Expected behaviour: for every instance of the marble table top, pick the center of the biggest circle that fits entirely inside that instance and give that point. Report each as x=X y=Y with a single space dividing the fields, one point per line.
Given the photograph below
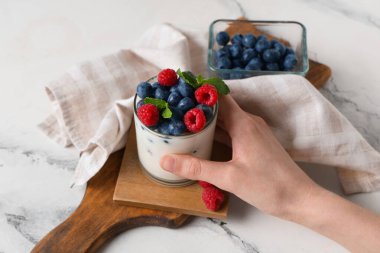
x=39 y=39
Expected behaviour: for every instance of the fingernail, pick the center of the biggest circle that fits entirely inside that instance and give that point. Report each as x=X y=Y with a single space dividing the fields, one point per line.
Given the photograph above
x=168 y=163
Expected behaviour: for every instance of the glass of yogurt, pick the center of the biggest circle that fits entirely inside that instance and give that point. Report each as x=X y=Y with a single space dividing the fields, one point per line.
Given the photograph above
x=152 y=145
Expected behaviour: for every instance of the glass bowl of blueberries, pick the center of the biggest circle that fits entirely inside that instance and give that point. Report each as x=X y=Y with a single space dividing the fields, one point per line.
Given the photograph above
x=245 y=48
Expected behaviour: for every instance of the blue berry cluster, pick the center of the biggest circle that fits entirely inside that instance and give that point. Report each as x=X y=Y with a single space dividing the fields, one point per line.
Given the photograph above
x=180 y=98
x=252 y=53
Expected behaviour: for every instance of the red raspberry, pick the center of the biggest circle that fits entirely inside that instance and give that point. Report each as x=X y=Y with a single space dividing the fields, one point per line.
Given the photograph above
x=205 y=184
x=212 y=198
x=207 y=95
x=167 y=77
x=195 y=120
x=148 y=114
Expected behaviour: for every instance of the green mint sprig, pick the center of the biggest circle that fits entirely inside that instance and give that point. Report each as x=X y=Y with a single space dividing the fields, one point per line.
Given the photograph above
x=198 y=81
x=161 y=105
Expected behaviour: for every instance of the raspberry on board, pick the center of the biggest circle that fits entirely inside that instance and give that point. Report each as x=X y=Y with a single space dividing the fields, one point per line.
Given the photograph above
x=148 y=114
x=212 y=198
x=195 y=120
x=205 y=184
x=167 y=77
x=207 y=95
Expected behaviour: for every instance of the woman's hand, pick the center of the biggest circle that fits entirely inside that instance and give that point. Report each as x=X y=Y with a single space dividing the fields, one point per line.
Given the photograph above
x=260 y=172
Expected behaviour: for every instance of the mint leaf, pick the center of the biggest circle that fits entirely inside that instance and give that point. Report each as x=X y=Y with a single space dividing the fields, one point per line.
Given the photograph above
x=200 y=79
x=161 y=105
x=219 y=84
x=189 y=78
x=167 y=113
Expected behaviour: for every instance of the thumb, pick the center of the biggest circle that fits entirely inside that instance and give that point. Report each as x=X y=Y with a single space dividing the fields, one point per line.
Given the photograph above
x=191 y=167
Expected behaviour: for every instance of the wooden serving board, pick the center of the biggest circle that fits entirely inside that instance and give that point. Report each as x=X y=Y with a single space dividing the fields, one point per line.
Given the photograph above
x=98 y=218
x=133 y=188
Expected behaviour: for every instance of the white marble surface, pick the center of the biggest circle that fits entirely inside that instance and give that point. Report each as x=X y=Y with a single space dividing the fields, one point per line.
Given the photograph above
x=39 y=39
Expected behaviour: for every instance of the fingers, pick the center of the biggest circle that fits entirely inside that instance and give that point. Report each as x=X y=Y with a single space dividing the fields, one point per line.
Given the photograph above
x=194 y=168
x=230 y=114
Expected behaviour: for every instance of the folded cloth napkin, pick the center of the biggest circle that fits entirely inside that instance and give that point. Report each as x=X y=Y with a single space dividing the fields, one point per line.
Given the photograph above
x=92 y=108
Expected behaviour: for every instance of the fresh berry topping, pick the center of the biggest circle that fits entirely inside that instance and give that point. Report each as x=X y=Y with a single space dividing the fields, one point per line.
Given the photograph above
x=174 y=98
x=222 y=38
x=207 y=110
x=176 y=113
x=167 y=77
x=148 y=114
x=161 y=93
x=185 y=104
x=212 y=198
x=176 y=127
x=248 y=54
x=205 y=184
x=144 y=90
x=195 y=120
x=155 y=85
x=163 y=127
x=184 y=89
x=206 y=94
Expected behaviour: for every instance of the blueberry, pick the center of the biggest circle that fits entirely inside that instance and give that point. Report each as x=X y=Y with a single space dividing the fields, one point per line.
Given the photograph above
x=249 y=40
x=185 y=90
x=144 y=90
x=289 y=62
x=289 y=51
x=174 y=98
x=280 y=48
x=260 y=37
x=262 y=45
x=237 y=63
x=185 y=104
x=176 y=127
x=207 y=110
x=163 y=127
x=222 y=52
x=176 y=113
x=237 y=39
x=271 y=55
x=222 y=38
x=140 y=103
x=161 y=93
x=236 y=75
x=236 y=51
x=254 y=64
x=223 y=63
x=155 y=85
x=248 y=54
x=273 y=66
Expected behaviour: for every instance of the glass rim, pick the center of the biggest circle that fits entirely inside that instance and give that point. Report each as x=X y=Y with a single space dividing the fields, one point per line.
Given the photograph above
x=167 y=136
x=305 y=65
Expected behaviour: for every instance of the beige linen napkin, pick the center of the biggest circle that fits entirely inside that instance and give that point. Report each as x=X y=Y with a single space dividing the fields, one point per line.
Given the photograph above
x=92 y=108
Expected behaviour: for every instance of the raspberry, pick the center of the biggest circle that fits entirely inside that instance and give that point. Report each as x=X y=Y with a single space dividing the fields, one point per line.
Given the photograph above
x=207 y=95
x=195 y=120
x=212 y=198
x=148 y=114
x=205 y=184
x=167 y=77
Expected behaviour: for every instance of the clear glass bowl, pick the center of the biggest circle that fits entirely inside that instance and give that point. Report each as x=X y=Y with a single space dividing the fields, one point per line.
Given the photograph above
x=291 y=33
